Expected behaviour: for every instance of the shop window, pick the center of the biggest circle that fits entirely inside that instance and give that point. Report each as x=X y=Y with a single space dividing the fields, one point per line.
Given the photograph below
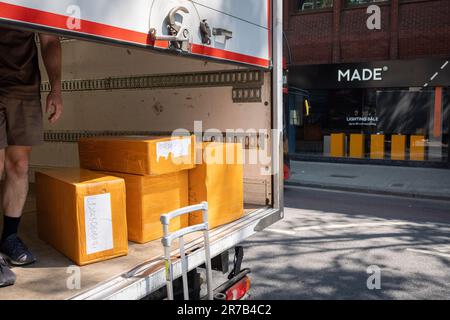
x=362 y=2
x=305 y=5
x=376 y=123
x=411 y=114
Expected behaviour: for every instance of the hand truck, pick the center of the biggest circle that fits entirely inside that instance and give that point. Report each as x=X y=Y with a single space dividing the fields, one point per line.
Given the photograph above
x=167 y=243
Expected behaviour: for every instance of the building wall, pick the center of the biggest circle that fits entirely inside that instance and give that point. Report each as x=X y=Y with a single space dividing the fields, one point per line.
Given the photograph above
x=409 y=29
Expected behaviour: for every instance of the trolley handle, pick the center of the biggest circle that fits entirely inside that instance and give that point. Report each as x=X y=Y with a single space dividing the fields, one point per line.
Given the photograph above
x=165 y=218
x=167 y=243
x=167 y=240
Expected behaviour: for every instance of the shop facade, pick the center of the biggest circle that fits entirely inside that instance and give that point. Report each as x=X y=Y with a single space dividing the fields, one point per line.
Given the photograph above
x=394 y=112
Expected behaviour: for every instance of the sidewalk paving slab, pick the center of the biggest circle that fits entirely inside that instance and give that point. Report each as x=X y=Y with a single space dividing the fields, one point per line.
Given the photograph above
x=414 y=182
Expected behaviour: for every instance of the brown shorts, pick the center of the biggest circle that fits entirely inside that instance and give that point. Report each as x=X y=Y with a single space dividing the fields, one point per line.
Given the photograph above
x=20 y=122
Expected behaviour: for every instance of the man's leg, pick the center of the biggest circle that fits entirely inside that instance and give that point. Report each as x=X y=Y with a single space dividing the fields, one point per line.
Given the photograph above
x=7 y=277
x=15 y=190
x=2 y=161
x=2 y=166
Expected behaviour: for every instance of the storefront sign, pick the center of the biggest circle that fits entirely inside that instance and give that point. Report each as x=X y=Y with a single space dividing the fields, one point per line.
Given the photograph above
x=351 y=75
x=369 y=121
x=381 y=74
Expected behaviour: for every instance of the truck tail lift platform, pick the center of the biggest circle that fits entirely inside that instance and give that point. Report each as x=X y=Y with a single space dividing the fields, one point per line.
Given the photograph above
x=158 y=65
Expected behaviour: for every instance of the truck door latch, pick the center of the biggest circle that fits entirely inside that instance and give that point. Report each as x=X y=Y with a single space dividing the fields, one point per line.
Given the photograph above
x=206 y=32
x=179 y=35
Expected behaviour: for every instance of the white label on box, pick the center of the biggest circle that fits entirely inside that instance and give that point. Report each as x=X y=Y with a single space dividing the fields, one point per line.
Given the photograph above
x=98 y=221
x=178 y=148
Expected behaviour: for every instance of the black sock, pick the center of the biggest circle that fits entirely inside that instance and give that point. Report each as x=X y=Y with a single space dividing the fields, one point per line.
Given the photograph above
x=10 y=226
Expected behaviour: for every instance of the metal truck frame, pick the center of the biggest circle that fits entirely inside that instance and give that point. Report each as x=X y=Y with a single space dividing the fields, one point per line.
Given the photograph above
x=266 y=55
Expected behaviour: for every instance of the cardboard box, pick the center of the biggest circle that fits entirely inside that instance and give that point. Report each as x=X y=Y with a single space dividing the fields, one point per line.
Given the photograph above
x=137 y=155
x=82 y=214
x=219 y=180
x=148 y=197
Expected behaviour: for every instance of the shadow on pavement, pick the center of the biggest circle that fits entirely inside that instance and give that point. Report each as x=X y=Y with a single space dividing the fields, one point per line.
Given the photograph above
x=312 y=254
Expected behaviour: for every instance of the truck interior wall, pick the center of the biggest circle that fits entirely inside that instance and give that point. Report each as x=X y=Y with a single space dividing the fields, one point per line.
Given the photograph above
x=150 y=110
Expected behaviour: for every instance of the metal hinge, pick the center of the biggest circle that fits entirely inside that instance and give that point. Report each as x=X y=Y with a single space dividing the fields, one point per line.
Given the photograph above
x=179 y=35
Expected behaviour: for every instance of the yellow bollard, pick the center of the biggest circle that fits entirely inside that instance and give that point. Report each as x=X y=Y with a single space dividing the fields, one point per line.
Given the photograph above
x=357 y=146
x=417 y=148
x=377 y=146
x=398 y=146
x=337 y=145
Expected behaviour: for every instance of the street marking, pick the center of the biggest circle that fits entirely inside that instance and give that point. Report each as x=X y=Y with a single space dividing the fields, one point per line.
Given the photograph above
x=429 y=252
x=444 y=65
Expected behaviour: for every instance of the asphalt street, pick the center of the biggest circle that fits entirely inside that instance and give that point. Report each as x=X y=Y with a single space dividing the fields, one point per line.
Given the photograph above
x=332 y=244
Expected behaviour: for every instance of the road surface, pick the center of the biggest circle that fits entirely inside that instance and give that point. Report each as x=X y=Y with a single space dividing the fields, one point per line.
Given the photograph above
x=337 y=245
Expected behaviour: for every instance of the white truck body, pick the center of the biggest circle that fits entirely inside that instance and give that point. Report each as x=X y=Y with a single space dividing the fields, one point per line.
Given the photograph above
x=117 y=81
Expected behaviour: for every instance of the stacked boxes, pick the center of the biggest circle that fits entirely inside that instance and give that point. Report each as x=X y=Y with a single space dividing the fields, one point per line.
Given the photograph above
x=161 y=175
x=82 y=214
x=89 y=215
x=155 y=174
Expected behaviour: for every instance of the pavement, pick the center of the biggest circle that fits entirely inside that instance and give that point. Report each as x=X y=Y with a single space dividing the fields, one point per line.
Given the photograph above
x=331 y=243
x=427 y=183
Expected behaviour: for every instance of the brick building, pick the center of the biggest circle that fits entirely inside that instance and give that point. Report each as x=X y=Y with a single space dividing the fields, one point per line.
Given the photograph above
x=367 y=82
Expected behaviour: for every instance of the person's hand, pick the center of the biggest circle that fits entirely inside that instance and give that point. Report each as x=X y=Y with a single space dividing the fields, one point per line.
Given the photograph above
x=54 y=106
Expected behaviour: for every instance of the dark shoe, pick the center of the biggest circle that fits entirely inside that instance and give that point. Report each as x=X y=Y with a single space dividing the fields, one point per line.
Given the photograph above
x=7 y=277
x=15 y=251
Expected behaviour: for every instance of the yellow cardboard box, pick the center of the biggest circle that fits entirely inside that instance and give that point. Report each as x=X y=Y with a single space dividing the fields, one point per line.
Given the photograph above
x=148 y=197
x=219 y=180
x=137 y=154
x=82 y=214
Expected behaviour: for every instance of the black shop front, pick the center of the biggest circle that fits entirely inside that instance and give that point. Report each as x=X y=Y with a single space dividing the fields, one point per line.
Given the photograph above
x=386 y=112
